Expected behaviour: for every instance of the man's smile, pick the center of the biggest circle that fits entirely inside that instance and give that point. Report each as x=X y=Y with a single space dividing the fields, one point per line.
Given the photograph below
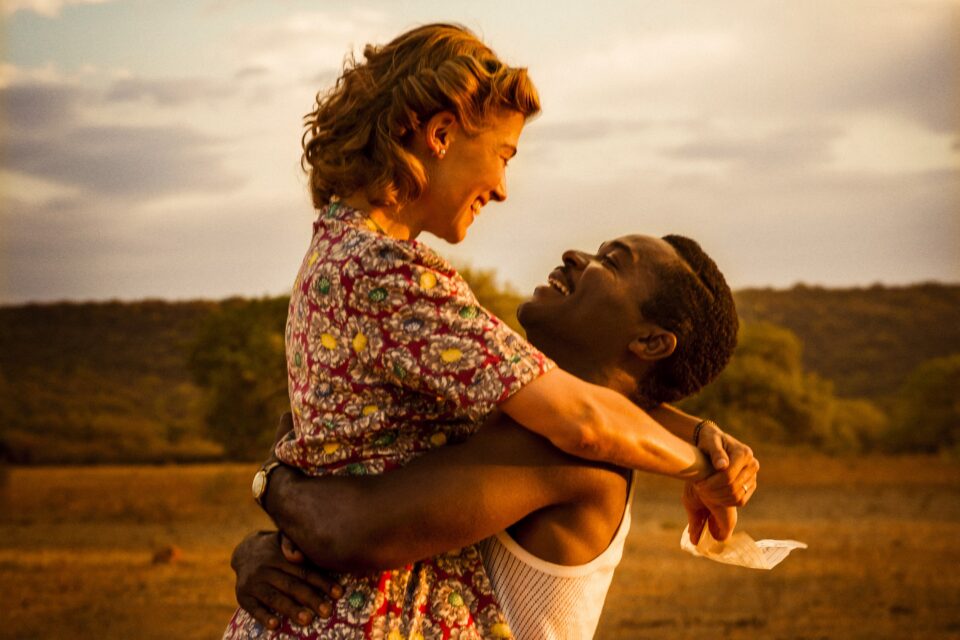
x=560 y=281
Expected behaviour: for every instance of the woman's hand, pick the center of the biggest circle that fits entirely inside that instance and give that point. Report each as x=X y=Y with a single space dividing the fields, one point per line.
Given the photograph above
x=714 y=500
x=700 y=511
x=735 y=479
x=270 y=585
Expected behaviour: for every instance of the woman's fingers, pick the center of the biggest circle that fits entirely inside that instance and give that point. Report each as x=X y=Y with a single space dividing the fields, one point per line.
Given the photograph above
x=745 y=485
x=733 y=486
x=711 y=443
x=722 y=522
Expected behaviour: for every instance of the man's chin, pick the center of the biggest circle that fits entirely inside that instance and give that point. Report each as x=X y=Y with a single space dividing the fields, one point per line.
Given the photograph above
x=532 y=316
x=522 y=312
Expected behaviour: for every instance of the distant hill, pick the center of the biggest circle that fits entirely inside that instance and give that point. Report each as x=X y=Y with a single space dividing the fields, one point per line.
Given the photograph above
x=109 y=381
x=865 y=340
x=101 y=382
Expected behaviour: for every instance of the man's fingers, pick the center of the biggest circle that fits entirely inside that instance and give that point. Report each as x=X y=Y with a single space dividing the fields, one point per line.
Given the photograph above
x=261 y=615
x=294 y=556
x=290 y=551
x=301 y=591
x=284 y=427
x=285 y=606
x=329 y=586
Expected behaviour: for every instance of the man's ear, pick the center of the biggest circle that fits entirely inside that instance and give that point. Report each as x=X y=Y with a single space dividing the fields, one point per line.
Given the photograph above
x=438 y=132
x=656 y=345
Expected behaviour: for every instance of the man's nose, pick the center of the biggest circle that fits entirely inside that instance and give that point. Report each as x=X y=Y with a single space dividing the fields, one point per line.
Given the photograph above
x=576 y=259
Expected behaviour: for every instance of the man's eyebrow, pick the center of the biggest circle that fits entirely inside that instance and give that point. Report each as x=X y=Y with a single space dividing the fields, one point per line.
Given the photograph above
x=616 y=244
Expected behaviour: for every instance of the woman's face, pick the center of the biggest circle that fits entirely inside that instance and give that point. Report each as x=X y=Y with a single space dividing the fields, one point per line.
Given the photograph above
x=471 y=173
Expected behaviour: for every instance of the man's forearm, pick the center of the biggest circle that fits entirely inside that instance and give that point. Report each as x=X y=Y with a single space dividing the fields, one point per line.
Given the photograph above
x=446 y=499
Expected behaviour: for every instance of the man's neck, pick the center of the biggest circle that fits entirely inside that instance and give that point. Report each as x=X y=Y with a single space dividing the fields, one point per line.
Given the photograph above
x=604 y=374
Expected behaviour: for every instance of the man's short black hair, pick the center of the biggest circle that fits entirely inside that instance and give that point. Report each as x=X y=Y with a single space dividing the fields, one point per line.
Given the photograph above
x=694 y=302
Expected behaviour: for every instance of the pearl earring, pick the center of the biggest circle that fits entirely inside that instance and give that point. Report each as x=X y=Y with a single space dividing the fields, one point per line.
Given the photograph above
x=441 y=153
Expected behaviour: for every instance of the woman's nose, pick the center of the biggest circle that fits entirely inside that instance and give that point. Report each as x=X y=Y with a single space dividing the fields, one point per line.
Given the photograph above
x=500 y=193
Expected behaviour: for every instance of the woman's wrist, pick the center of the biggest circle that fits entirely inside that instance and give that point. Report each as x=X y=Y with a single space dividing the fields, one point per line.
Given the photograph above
x=703 y=467
x=697 y=430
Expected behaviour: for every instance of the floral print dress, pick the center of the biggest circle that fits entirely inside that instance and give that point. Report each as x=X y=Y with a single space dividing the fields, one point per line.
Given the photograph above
x=390 y=355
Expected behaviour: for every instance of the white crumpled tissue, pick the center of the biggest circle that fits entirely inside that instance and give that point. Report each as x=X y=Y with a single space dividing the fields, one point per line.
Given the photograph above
x=740 y=549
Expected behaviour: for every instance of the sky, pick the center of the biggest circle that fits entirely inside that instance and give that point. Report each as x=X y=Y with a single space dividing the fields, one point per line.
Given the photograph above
x=151 y=148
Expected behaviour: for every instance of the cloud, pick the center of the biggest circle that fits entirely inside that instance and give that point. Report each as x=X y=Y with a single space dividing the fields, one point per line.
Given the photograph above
x=585 y=129
x=919 y=83
x=168 y=91
x=80 y=249
x=123 y=160
x=307 y=48
x=50 y=139
x=793 y=148
x=48 y=8
x=765 y=64
x=37 y=105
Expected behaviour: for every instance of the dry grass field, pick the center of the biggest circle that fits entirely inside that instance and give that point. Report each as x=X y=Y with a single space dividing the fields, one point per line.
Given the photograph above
x=76 y=546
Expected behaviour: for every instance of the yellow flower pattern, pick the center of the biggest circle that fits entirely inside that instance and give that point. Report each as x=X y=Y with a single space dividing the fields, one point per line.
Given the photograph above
x=390 y=355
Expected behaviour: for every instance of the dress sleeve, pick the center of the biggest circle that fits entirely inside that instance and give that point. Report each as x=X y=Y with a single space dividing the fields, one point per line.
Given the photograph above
x=412 y=320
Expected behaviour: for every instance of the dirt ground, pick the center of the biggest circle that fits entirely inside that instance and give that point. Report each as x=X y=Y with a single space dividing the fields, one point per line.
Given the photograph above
x=76 y=548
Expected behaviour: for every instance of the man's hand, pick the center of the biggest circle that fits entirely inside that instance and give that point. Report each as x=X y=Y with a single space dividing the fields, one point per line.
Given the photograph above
x=283 y=428
x=735 y=480
x=269 y=585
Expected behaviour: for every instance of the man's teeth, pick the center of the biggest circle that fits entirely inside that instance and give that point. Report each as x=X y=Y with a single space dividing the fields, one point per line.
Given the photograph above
x=559 y=286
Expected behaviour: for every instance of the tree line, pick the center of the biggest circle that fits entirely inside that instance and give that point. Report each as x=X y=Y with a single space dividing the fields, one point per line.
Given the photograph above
x=842 y=370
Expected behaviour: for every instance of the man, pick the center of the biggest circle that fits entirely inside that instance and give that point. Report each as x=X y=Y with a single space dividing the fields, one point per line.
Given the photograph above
x=650 y=318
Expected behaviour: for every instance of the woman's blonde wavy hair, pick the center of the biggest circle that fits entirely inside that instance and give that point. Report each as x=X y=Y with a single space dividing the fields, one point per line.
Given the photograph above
x=356 y=136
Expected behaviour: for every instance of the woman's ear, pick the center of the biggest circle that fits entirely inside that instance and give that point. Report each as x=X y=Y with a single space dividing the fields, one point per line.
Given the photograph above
x=438 y=132
x=657 y=345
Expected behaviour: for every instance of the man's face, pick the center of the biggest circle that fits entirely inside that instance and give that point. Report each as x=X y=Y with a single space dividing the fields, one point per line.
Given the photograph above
x=589 y=310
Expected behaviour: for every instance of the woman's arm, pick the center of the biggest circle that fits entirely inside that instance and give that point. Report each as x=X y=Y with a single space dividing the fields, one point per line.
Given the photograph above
x=596 y=423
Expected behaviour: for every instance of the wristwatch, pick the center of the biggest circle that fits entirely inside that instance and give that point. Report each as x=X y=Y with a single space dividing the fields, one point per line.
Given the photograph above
x=260 y=480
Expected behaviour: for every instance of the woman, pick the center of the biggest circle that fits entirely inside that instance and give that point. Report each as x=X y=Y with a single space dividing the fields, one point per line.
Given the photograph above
x=388 y=352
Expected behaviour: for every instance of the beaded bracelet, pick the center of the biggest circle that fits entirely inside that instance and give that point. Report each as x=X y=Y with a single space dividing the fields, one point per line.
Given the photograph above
x=697 y=429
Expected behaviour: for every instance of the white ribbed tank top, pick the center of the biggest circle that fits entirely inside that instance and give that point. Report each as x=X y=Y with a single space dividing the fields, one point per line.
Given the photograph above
x=546 y=601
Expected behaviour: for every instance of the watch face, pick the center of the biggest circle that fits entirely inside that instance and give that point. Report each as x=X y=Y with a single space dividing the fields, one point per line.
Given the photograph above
x=259 y=483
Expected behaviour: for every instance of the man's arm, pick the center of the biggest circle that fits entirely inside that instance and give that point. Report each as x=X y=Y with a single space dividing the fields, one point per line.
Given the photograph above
x=452 y=497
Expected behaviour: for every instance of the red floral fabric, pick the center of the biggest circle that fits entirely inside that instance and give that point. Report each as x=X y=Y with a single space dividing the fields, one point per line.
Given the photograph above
x=389 y=355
